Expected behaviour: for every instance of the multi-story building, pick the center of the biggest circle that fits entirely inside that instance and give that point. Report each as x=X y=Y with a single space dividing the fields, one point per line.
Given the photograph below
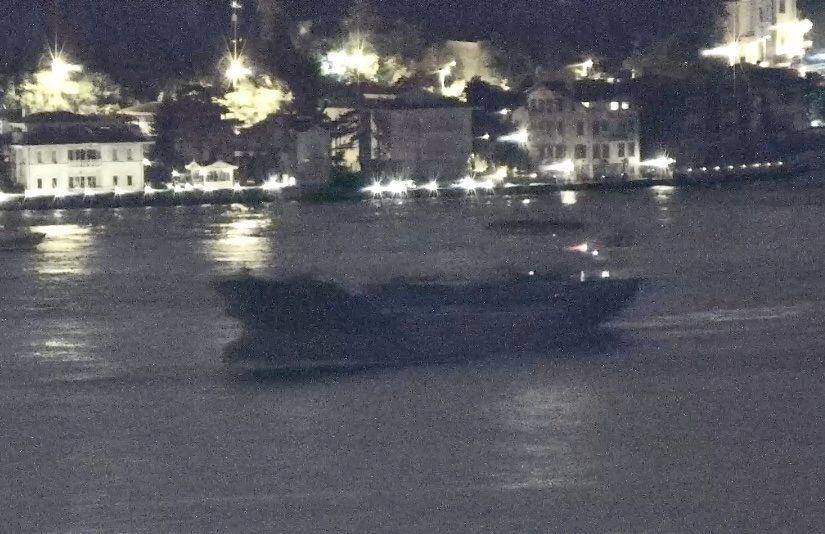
x=581 y=132
x=763 y=32
x=414 y=135
x=716 y=115
x=78 y=159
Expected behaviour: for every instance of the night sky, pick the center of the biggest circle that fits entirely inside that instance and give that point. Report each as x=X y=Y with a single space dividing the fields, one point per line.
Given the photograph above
x=136 y=39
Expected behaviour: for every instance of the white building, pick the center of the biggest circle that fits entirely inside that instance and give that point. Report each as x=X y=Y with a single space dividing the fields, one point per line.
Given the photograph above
x=65 y=168
x=214 y=177
x=763 y=32
x=578 y=140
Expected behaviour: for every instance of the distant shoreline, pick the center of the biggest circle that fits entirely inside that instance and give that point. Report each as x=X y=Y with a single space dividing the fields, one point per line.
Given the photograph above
x=776 y=171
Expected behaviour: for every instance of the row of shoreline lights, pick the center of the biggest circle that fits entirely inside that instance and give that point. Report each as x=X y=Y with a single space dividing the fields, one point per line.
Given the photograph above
x=719 y=168
x=274 y=183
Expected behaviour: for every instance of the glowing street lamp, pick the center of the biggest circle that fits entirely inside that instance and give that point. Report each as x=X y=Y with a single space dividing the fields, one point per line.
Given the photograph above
x=237 y=69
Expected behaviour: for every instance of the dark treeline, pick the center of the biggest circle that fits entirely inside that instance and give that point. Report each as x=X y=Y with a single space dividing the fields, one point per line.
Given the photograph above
x=143 y=43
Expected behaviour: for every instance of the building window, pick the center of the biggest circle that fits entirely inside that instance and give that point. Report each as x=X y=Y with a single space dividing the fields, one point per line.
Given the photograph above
x=114 y=154
x=561 y=151
x=580 y=128
x=71 y=155
x=71 y=182
x=114 y=181
x=621 y=150
x=560 y=128
x=39 y=157
x=129 y=155
x=82 y=182
x=581 y=152
x=559 y=105
x=54 y=156
x=54 y=183
x=782 y=6
x=128 y=180
x=596 y=128
x=597 y=151
x=92 y=181
x=40 y=183
x=605 y=151
x=631 y=149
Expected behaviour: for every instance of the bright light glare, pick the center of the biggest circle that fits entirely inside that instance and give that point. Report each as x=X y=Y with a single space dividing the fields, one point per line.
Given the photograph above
x=662 y=162
x=432 y=186
x=568 y=198
x=237 y=69
x=565 y=167
x=522 y=137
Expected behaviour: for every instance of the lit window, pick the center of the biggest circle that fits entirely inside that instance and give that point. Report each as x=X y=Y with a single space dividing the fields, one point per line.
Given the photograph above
x=625 y=105
x=614 y=106
x=586 y=104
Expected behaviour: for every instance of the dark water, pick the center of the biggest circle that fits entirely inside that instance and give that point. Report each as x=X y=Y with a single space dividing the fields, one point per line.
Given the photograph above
x=118 y=414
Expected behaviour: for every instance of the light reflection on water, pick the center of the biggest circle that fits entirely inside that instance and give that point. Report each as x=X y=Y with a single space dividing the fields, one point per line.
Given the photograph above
x=65 y=251
x=547 y=425
x=243 y=242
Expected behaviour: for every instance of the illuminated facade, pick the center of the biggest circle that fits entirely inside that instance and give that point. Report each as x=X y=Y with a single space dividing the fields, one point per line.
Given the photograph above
x=216 y=176
x=763 y=32
x=576 y=136
x=66 y=168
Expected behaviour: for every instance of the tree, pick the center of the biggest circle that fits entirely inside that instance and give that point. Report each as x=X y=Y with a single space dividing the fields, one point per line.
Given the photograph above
x=289 y=63
x=65 y=87
x=253 y=100
x=189 y=127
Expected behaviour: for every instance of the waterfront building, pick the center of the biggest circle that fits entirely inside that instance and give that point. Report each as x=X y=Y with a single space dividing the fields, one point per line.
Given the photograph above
x=402 y=134
x=63 y=154
x=768 y=33
x=581 y=131
x=285 y=145
x=713 y=115
x=212 y=177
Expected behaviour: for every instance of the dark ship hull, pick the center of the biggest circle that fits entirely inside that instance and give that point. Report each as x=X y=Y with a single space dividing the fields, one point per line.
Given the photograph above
x=306 y=324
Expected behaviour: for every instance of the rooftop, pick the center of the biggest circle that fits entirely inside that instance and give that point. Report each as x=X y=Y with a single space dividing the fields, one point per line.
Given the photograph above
x=78 y=134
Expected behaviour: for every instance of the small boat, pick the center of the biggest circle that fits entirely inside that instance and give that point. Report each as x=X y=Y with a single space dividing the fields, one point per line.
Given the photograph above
x=302 y=323
x=20 y=239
